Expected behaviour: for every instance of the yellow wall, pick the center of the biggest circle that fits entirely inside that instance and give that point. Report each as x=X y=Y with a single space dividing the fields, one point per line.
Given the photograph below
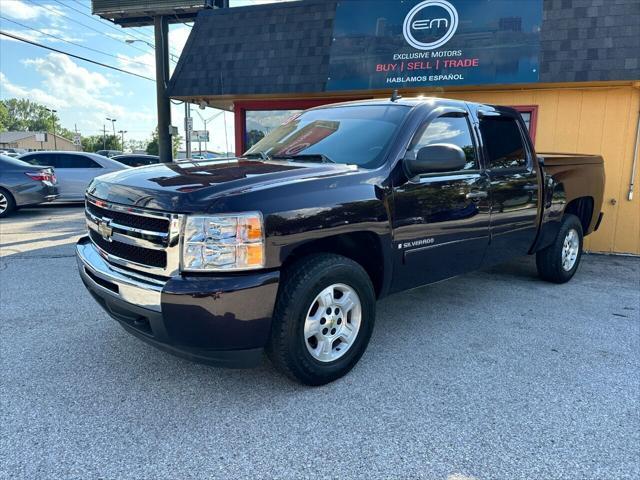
x=589 y=120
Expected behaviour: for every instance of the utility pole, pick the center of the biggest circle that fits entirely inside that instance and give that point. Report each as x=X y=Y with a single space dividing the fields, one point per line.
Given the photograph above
x=161 y=31
x=53 y=117
x=104 y=136
x=122 y=132
x=188 y=128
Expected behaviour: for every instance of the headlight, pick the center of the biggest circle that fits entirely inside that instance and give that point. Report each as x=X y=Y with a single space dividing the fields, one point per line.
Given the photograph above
x=223 y=242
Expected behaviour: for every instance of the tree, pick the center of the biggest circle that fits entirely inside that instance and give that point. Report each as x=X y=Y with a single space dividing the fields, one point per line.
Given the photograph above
x=25 y=115
x=94 y=143
x=253 y=137
x=19 y=114
x=4 y=117
x=154 y=149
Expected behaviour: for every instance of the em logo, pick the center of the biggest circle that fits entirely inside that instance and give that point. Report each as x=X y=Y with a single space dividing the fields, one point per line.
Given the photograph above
x=430 y=24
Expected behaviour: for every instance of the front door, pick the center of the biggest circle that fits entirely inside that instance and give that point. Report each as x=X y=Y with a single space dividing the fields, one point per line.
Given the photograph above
x=441 y=221
x=514 y=186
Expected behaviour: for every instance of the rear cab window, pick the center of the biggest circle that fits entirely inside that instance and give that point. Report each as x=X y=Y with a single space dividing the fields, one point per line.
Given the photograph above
x=503 y=141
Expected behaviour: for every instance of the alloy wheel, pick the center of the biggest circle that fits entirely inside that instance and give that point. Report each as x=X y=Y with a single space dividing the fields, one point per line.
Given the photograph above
x=333 y=322
x=570 y=250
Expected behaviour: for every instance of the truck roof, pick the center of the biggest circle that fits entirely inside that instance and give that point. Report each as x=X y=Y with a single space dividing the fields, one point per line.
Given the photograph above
x=411 y=103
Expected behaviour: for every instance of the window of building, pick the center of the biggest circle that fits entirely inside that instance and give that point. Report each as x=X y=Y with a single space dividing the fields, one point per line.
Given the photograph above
x=259 y=123
x=529 y=114
x=503 y=142
x=449 y=129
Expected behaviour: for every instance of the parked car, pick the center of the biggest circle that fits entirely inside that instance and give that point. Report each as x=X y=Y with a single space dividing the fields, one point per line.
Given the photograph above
x=22 y=185
x=136 y=159
x=74 y=170
x=108 y=153
x=288 y=248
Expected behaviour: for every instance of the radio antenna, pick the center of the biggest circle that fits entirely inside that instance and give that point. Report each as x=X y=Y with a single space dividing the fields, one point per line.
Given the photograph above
x=395 y=97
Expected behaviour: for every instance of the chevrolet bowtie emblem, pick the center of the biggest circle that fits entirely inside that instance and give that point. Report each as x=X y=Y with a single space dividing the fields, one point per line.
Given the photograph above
x=104 y=229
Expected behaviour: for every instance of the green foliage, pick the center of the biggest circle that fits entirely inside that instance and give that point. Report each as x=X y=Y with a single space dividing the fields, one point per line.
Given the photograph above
x=4 y=117
x=253 y=137
x=25 y=115
x=94 y=143
x=153 y=148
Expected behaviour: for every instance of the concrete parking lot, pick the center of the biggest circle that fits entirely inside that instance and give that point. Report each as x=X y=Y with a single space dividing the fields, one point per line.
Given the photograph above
x=491 y=375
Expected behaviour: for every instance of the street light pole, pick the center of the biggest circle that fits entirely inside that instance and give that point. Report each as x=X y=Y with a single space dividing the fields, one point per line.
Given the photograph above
x=205 y=121
x=53 y=117
x=113 y=124
x=122 y=132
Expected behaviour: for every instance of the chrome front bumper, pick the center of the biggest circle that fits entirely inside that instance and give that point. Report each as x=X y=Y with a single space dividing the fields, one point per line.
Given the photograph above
x=119 y=283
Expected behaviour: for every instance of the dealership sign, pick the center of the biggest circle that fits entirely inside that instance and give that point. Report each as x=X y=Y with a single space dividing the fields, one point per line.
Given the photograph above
x=381 y=44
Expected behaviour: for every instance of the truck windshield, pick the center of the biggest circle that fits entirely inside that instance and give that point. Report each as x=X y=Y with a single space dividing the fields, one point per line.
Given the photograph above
x=355 y=135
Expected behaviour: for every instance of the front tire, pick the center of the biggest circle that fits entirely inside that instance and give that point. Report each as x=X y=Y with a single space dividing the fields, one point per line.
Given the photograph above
x=559 y=262
x=323 y=319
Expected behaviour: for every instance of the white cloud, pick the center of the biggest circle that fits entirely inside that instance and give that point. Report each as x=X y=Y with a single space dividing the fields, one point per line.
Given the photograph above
x=21 y=10
x=143 y=64
x=9 y=89
x=86 y=92
x=178 y=38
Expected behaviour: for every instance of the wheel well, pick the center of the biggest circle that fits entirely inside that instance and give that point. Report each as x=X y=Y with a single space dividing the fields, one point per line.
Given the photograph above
x=583 y=209
x=361 y=247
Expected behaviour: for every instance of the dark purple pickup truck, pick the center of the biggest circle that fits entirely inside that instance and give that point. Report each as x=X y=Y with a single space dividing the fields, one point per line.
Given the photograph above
x=287 y=248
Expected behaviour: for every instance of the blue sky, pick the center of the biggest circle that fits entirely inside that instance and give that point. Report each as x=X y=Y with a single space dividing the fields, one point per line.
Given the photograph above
x=85 y=94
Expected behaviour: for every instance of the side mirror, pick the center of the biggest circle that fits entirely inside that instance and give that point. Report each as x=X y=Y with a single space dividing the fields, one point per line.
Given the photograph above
x=439 y=157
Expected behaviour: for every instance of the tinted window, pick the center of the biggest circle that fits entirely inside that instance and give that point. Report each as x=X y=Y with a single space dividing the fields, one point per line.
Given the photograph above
x=44 y=160
x=75 y=161
x=351 y=135
x=453 y=130
x=503 y=142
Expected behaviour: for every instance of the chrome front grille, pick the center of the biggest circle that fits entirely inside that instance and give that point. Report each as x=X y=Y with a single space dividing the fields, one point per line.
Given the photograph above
x=144 y=240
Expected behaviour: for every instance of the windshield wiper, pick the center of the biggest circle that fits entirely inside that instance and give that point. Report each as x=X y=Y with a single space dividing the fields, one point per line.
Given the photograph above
x=260 y=155
x=309 y=157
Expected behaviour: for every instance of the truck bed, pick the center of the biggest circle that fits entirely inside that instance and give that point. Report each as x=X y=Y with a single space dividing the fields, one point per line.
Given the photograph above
x=558 y=159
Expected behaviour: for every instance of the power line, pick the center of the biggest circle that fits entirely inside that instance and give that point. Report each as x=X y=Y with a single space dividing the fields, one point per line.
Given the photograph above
x=73 y=43
x=119 y=30
x=15 y=37
x=85 y=25
x=150 y=37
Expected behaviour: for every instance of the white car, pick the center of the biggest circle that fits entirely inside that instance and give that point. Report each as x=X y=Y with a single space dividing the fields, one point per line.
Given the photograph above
x=74 y=170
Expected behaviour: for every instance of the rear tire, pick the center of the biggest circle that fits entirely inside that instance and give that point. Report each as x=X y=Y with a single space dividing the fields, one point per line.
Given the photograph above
x=323 y=319
x=7 y=203
x=559 y=262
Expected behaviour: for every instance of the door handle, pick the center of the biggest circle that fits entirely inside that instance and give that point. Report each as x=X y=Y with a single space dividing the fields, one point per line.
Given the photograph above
x=475 y=196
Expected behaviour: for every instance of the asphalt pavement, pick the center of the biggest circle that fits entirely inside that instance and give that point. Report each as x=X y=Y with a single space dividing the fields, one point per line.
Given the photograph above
x=492 y=375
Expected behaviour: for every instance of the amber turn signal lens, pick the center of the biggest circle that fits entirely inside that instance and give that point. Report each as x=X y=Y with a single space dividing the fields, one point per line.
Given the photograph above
x=253 y=229
x=253 y=254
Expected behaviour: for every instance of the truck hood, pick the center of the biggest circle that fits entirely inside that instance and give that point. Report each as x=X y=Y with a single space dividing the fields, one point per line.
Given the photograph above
x=191 y=186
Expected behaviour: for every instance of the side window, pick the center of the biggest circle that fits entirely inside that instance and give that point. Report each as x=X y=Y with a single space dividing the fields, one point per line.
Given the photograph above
x=77 y=161
x=503 y=142
x=453 y=130
x=45 y=160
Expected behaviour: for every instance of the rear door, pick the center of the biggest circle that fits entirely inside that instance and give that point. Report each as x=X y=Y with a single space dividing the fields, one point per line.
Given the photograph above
x=514 y=181
x=441 y=220
x=78 y=171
